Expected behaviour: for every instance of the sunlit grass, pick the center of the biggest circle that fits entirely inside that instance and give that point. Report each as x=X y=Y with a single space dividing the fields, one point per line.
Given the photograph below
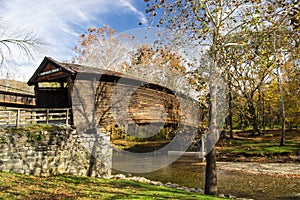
x=260 y=147
x=17 y=186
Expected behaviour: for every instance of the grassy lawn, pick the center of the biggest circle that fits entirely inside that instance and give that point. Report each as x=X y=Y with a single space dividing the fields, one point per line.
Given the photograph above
x=17 y=186
x=263 y=145
x=259 y=147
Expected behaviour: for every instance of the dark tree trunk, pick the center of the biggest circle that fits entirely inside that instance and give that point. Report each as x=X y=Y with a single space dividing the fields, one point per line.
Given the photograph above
x=241 y=122
x=211 y=173
x=230 y=105
x=230 y=112
x=253 y=119
x=212 y=137
x=264 y=114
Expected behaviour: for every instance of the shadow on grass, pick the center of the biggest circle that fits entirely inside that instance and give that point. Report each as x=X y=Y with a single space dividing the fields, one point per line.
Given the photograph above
x=16 y=186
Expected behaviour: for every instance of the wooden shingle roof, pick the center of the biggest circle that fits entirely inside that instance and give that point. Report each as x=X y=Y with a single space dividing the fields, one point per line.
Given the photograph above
x=52 y=70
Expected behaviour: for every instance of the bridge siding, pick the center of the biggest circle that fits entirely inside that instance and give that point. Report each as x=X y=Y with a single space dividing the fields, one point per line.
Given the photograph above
x=13 y=99
x=115 y=101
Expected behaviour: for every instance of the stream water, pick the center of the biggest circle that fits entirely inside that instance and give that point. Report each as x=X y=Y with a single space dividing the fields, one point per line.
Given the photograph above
x=190 y=172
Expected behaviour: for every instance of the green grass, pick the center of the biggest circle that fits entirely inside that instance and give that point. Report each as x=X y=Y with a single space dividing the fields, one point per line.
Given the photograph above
x=138 y=146
x=17 y=186
x=33 y=128
x=33 y=132
x=260 y=147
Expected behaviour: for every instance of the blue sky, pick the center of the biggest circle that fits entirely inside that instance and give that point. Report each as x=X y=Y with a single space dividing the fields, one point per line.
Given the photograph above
x=60 y=22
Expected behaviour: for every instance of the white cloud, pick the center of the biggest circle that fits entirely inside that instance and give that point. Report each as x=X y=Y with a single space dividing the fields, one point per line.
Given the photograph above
x=61 y=22
x=128 y=4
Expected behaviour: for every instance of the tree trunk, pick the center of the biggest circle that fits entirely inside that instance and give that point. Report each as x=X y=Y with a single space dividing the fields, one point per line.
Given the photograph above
x=213 y=134
x=263 y=114
x=282 y=139
x=241 y=122
x=211 y=140
x=253 y=119
x=230 y=106
x=272 y=124
x=211 y=173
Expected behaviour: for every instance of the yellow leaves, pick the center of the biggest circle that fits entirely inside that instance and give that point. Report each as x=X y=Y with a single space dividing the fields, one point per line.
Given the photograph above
x=91 y=37
x=194 y=9
x=205 y=29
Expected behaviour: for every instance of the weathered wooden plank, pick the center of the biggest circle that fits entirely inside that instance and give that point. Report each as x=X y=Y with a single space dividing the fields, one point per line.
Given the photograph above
x=17 y=117
x=7 y=98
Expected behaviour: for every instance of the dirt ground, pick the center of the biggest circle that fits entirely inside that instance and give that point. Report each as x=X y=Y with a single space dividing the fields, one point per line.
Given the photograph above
x=277 y=169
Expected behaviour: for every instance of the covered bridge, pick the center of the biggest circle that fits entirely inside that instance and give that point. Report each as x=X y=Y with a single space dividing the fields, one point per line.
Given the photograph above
x=105 y=96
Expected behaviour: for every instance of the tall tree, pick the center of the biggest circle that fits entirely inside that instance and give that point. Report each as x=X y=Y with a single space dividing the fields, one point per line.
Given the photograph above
x=289 y=23
x=252 y=69
x=210 y=23
x=102 y=47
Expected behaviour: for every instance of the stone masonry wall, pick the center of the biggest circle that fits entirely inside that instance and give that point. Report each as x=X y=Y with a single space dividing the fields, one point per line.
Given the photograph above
x=57 y=152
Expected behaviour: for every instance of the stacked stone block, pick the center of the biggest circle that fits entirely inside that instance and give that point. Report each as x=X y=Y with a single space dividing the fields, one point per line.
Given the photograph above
x=57 y=152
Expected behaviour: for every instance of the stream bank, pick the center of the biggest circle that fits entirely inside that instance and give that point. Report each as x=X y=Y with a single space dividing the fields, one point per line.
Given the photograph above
x=268 y=181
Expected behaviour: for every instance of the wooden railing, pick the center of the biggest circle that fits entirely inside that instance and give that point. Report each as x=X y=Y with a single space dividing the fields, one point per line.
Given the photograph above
x=17 y=117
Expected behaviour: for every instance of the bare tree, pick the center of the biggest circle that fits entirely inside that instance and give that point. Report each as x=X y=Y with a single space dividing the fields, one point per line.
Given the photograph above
x=102 y=47
x=18 y=43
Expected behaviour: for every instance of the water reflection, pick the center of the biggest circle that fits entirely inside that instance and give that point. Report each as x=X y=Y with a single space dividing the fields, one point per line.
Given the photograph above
x=127 y=161
x=140 y=163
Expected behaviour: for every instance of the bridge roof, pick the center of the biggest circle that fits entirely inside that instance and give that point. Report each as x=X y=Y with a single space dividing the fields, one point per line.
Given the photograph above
x=51 y=70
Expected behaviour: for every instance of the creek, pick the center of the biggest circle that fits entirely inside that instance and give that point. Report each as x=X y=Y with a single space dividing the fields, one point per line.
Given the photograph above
x=190 y=172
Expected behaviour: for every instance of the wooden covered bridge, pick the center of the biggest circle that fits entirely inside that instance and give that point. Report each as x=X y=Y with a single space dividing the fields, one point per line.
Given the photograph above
x=14 y=97
x=98 y=95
